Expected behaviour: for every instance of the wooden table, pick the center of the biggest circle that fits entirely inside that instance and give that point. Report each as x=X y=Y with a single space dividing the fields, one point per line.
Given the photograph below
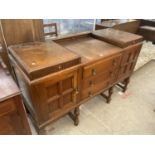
x=12 y=112
x=58 y=76
x=126 y=25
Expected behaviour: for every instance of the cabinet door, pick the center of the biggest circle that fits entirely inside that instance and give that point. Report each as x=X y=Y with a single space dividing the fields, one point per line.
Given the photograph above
x=56 y=94
x=129 y=59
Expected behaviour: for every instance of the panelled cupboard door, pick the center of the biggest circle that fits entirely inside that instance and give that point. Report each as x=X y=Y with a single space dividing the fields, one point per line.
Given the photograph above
x=56 y=94
x=129 y=59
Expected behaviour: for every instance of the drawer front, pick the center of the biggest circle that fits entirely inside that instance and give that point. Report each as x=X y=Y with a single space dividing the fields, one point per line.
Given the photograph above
x=89 y=92
x=7 y=107
x=101 y=66
x=92 y=81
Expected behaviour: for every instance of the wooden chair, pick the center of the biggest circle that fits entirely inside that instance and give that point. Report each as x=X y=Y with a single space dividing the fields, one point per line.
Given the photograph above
x=52 y=33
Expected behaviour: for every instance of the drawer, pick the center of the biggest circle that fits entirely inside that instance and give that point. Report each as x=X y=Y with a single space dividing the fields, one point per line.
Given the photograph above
x=6 y=107
x=94 y=80
x=101 y=66
x=90 y=91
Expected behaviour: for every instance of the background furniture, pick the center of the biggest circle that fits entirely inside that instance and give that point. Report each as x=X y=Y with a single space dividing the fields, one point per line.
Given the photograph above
x=147 y=30
x=126 y=25
x=51 y=26
x=58 y=76
x=12 y=112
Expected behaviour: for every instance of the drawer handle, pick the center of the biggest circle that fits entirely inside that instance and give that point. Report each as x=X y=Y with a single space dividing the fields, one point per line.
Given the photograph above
x=76 y=91
x=90 y=94
x=91 y=83
x=60 y=67
x=111 y=74
x=114 y=62
x=93 y=72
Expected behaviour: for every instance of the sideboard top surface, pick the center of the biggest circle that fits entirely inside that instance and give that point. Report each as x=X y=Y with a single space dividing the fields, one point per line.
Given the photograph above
x=116 y=37
x=36 y=56
x=89 y=48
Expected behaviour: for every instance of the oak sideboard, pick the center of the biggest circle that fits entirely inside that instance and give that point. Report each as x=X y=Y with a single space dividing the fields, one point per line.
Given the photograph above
x=57 y=76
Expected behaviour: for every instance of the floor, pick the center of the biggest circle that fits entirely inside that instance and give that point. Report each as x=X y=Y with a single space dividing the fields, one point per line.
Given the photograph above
x=128 y=113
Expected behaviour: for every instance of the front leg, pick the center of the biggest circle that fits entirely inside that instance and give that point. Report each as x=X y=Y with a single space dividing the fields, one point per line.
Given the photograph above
x=126 y=81
x=76 y=113
x=110 y=92
x=75 y=116
x=108 y=97
x=124 y=85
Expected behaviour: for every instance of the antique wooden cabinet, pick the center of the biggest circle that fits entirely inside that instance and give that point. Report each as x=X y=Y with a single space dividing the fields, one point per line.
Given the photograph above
x=13 y=119
x=47 y=74
x=56 y=77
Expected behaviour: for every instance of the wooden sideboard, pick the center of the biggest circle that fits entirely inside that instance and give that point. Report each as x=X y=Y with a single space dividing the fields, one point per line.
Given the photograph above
x=57 y=77
x=126 y=25
x=12 y=112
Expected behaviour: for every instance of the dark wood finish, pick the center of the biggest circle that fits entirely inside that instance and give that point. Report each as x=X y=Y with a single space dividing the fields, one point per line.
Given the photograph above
x=107 y=57
x=147 y=29
x=149 y=22
x=148 y=32
x=52 y=33
x=12 y=112
x=126 y=25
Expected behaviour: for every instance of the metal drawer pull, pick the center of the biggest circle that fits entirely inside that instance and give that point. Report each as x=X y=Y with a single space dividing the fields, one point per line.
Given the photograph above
x=90 y=94
x=91 y=83
x=93 y=72
x=76 y=91
x=60 y=67
x=114 y=62
x=111 y=74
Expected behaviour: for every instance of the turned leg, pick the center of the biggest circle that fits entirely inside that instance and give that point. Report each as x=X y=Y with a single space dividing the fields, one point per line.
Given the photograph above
x=125 y=84
x=126 y=81
x=108 y=97
x=41 y=131
x=110 y=92
x=76 y=113
x=75 y=116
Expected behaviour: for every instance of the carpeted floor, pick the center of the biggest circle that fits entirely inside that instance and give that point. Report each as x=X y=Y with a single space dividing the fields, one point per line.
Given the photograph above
x=130 y=113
